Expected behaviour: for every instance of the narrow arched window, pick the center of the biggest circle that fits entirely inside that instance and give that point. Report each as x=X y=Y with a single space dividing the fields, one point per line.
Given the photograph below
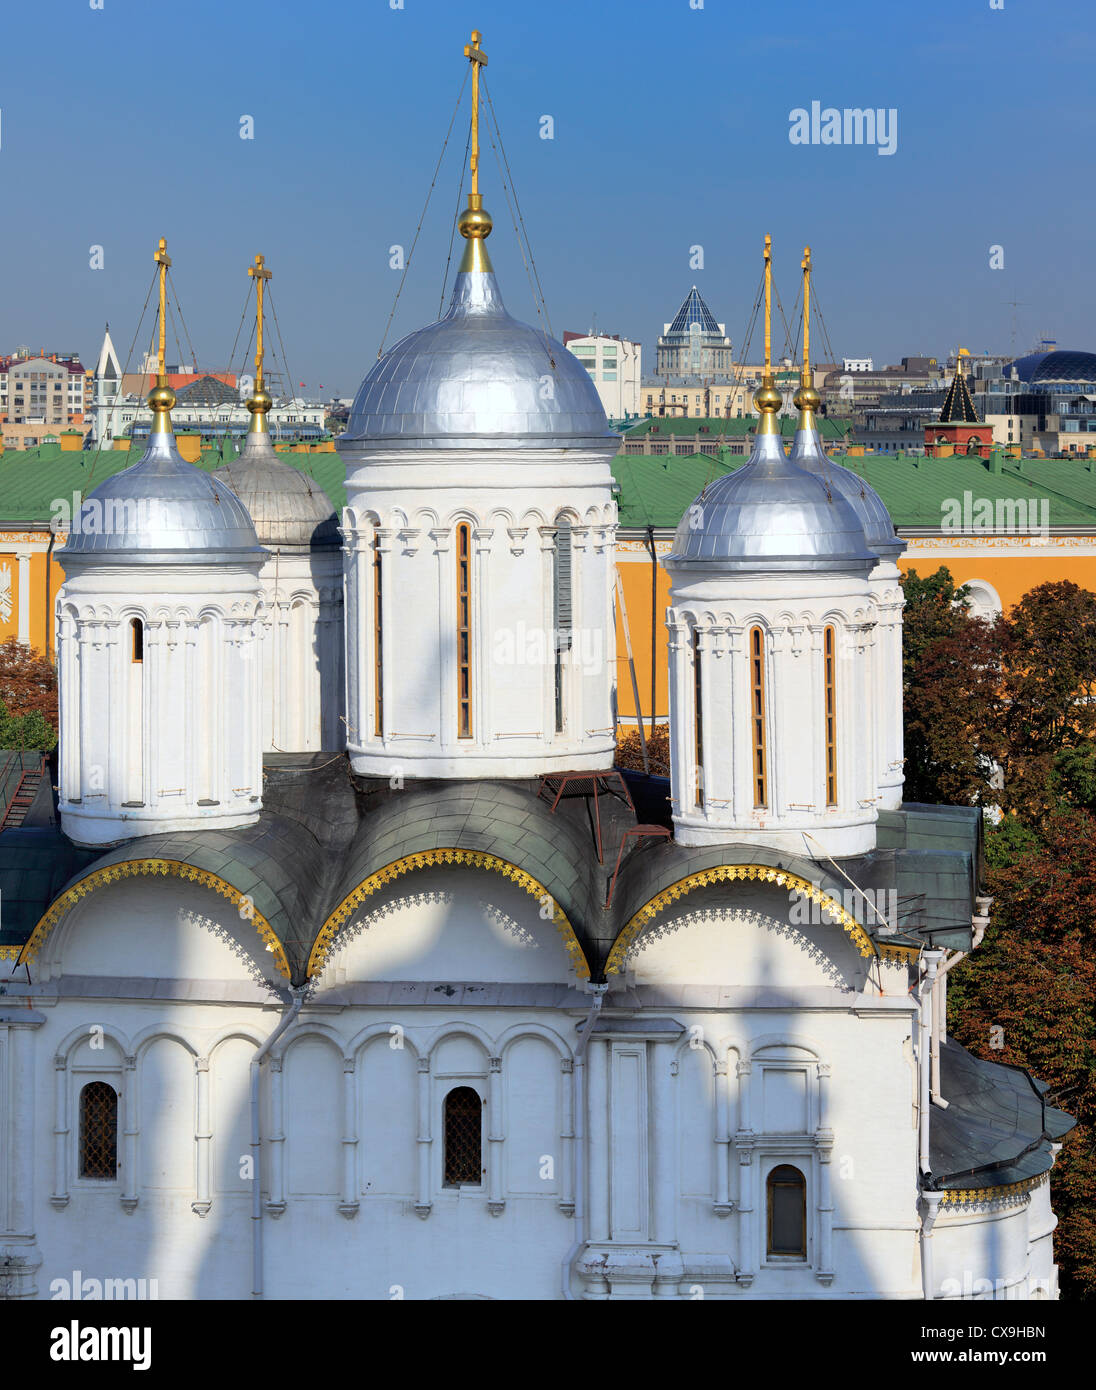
x=378 y=644
x=463 y=1137
x=757 y=717
x=561 y=610
x=829 y=657
x=136 y=640
x=787 y=1204
x=464 y=631
x=698 y=721
x=98 y=1131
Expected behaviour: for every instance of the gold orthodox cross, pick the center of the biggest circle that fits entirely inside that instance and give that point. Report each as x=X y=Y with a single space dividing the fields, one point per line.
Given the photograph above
x=478 y=59
x=260 y=274
x=163 y=260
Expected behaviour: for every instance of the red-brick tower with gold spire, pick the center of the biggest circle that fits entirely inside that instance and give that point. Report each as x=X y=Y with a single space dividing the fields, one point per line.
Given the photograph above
x=958 y=430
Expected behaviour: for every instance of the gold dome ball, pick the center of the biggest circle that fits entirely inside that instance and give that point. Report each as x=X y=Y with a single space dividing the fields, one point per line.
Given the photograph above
x=475 y=222
x=807 y=398
x=768 y=399
x=161 y=398
x=259 y=402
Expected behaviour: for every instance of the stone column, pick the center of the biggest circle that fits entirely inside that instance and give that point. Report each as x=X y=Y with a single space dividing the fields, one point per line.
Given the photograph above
x=20 y=1257
x=349 y=1204
x=663 y=1138
x=276 y=1139
x=132 y=1119
x=567 y=1138
x=60 y=1197
x=722 y=1140
x=495 y=1138
x=598 y=1137
x=423 y=1203
x=203 y=1136
x=681 y=739
x=23 y=630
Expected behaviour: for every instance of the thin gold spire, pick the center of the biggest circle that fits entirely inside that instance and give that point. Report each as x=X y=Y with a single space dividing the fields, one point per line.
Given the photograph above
x=475 y=222
x=259 y=402
x=767 y=398
x=161 y=398
x=768 y=306
x=807 y=400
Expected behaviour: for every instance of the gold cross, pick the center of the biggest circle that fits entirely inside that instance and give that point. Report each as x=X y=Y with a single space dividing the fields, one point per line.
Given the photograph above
x=163 y=260
x=260 y=273
x=478 y=59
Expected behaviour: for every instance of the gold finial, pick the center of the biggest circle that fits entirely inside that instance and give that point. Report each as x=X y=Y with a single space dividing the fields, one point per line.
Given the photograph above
x=475 y=221
x=807 y=400
x=259 y=402
x=767 y=398
x=161 y=398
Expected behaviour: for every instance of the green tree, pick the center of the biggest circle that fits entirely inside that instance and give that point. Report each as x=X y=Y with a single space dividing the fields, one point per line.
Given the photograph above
x=950 y=694
x=1034 y=979
x=25 y=731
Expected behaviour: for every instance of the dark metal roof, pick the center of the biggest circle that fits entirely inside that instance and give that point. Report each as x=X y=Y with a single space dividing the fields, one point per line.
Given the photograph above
x=997 y=1128
x=958 y=407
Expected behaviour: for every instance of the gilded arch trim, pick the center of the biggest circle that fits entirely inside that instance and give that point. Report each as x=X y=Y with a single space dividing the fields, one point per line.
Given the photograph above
x=171 y=868
x=765 y=873
x=987 y=1196
x=427 y=858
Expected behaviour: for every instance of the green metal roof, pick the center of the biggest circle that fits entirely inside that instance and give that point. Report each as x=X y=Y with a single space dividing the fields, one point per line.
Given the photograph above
x=32 y=479
x=915 y=488
x=658 y=489
x=830 y=427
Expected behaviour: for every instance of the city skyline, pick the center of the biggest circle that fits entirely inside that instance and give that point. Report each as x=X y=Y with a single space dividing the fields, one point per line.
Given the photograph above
x=689 y=147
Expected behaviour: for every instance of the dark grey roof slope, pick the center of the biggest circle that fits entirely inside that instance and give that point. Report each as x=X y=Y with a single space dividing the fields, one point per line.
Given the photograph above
x=997 y=1128
x=35 y=864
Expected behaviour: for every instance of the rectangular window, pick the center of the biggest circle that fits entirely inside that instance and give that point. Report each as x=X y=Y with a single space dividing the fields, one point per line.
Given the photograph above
x=137 y=640
x=831 y=719
x=464 y=632
x=757 y=713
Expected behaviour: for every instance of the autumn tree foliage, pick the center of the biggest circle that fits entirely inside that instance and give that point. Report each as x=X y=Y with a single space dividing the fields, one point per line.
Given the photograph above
x=1034 y=979
x=28 y=683
x=1002 y=714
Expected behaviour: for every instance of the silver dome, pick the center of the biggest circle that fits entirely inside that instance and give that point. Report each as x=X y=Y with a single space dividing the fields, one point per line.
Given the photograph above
x=161 y=510
x=870 y=508
x=477 y=379
x=771 y=517
x=287 y=507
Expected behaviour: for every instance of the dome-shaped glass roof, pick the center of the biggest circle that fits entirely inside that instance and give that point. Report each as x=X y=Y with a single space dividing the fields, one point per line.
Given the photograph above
x=477 y=379
x=1067 y=365
x=771 y=517
x=161 y=510
x=870 y=509
x=286 y=506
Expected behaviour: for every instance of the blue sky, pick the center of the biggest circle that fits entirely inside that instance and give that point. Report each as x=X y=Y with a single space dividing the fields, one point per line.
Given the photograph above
x=121 y=125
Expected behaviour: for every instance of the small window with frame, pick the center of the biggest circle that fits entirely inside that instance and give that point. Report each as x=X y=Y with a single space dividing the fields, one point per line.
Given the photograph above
x=786 y=1193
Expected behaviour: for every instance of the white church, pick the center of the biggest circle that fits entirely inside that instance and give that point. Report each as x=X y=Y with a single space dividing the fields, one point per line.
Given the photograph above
x=344 y=964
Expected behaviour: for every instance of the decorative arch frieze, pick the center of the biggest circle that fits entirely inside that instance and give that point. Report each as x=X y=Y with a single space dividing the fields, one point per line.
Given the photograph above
x=171 y=868
x=763 y=873
x=343 y=913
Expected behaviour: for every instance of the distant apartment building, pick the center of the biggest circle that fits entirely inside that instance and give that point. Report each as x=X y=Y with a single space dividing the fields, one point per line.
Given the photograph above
x=615 y=367
x=857 y=364
x=46 y=389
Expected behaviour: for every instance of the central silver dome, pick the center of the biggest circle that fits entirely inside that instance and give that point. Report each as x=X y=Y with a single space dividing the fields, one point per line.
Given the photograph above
x=771 y=517
x=477 y=379
x=869 y=507
x=287 y=507
x=162 y=510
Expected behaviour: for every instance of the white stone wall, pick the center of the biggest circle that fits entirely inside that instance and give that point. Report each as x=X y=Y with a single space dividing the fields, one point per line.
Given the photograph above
x=731 y=1043
x=172 y=742
x=302 y=642
x=793 y=614
x=512 y=502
